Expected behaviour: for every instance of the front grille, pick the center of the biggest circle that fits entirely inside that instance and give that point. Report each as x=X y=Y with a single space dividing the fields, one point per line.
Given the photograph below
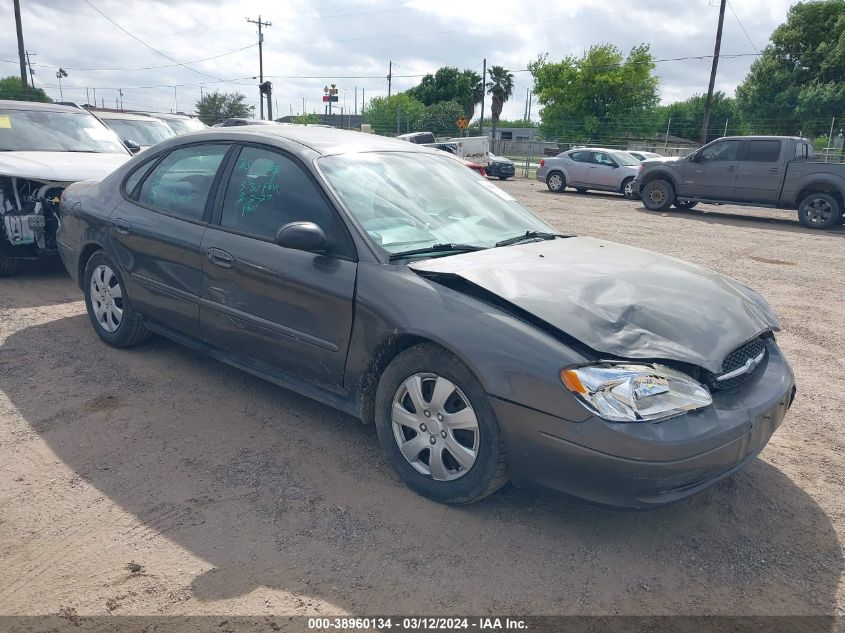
x=735 y=360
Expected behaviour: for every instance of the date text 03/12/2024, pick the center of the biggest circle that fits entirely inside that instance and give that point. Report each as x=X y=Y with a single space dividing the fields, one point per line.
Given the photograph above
x=416 y=624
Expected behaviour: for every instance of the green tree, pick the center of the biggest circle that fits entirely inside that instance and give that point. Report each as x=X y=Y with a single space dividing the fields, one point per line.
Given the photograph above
x=686 y=117
x=798 y=84
x=217 y=106
x=450 y=84
x=304 y=119
x=601 y=94
x=500 y=87
x=441 y=118
x=12 y=89
x=383 y=112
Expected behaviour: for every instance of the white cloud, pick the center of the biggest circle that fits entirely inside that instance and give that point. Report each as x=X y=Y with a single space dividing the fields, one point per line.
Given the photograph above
x=330 y=40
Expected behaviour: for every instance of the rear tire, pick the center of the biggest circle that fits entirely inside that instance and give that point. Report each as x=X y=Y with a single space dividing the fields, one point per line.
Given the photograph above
x=556 y=181
x=109 y=308
x=819 y=211
x=503 y=177
x=658 y=195
x=470 y=462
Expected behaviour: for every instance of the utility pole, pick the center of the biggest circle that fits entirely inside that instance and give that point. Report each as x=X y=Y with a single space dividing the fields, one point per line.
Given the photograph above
x=389 y=78
x=483 y=92
x=29 y=63
x=525 y=111
x=362 y=100
x=356 y=100
x=260 y=61
x=21 y=54
x=120 y=92
x=705 y=124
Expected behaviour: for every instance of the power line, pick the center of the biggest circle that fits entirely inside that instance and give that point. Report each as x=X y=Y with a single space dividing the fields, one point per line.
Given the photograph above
x=195 y=61
x=138 y=39
x=748 y=37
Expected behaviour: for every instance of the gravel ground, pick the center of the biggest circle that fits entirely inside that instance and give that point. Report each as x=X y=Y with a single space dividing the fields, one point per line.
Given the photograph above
x=157 y=481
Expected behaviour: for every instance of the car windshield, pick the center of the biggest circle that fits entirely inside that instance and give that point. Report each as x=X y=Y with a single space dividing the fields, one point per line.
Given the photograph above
x=408 y=201
x=625 y=158
x=143 y=133
x=184 y=126
x=45 y=131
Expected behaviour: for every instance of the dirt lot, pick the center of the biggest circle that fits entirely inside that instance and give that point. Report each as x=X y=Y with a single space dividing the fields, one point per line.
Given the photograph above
x=156 y=481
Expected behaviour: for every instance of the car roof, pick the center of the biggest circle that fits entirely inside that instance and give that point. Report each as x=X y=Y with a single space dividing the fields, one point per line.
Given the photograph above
x=166 y=116
x=322 y=140
x=38 y=106
x=125 y=116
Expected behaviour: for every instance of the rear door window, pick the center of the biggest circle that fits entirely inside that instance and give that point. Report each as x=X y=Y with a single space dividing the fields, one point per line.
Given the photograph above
x=580 y=157
x=181 y=182
x=763 y=151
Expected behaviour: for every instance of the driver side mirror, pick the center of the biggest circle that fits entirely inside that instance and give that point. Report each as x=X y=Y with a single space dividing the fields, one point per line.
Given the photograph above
x=132 y=146
x=302 y=236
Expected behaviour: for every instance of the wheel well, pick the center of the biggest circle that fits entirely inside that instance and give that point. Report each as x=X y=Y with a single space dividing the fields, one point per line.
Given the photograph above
x=84 y=256
x=555 y=170
x=384 y=354
x=820 y=187
x=659 y=175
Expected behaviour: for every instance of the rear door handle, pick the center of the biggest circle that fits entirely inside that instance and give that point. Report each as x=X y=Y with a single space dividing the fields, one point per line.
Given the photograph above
x=121 y=226
x=731 y=167
x=775 y=170
x=220 y=258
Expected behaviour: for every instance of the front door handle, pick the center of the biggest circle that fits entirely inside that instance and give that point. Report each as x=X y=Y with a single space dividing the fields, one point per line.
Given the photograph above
x=121 y=226
x=731 y=167
x=774 y=170
x=220 y=258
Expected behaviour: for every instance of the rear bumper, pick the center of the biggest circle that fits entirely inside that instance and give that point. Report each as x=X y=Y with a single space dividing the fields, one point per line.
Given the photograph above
x=546 y=450
x=635 y=185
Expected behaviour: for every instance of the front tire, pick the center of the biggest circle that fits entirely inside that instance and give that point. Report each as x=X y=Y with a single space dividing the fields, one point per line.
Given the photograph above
x=819 y=211
x=109 y=309
x=627 y=189
x=438 y=428
x=556 y=181
x=503 y=177
x=658 y=195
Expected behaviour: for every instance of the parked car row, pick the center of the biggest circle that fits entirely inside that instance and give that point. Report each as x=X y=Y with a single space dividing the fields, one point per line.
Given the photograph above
x=45 y=147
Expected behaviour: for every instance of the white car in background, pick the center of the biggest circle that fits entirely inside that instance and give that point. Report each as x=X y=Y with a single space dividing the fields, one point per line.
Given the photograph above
x=641 y=156
x=590 y=168
x=137 y=131
x=44 y=147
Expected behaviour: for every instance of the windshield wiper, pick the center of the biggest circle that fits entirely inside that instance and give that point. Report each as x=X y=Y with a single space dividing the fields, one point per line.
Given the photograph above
x=528 y=235
x=437 y=248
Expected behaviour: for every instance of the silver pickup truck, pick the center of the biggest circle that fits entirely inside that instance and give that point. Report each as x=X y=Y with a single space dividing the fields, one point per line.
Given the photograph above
x=766 y=171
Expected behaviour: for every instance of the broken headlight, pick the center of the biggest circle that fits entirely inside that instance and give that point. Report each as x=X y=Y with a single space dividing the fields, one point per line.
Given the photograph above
x=634 y=393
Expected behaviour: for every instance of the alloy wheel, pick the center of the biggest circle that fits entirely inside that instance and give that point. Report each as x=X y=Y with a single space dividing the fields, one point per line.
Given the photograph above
x=435 y=427
x=106 y=298
x=628 y=191
x=818 y=211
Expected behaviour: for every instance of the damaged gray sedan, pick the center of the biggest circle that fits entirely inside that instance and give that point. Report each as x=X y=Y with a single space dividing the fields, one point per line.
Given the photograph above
x=390 y=282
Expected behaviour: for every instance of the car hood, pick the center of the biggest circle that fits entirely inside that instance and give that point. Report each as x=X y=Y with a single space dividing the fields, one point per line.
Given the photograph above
x=617 y=299
x=60 y=166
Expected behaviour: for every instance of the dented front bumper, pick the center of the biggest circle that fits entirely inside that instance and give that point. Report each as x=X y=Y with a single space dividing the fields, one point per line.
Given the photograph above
x=644 y=465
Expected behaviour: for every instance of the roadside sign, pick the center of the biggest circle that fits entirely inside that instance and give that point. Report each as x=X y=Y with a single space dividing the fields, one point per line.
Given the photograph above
x=462 y=123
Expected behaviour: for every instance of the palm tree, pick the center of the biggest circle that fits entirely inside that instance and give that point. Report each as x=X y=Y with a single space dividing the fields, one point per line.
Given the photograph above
x=500 y=87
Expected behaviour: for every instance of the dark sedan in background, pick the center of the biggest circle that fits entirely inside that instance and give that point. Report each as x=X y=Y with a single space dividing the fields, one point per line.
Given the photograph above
x=386 y=280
